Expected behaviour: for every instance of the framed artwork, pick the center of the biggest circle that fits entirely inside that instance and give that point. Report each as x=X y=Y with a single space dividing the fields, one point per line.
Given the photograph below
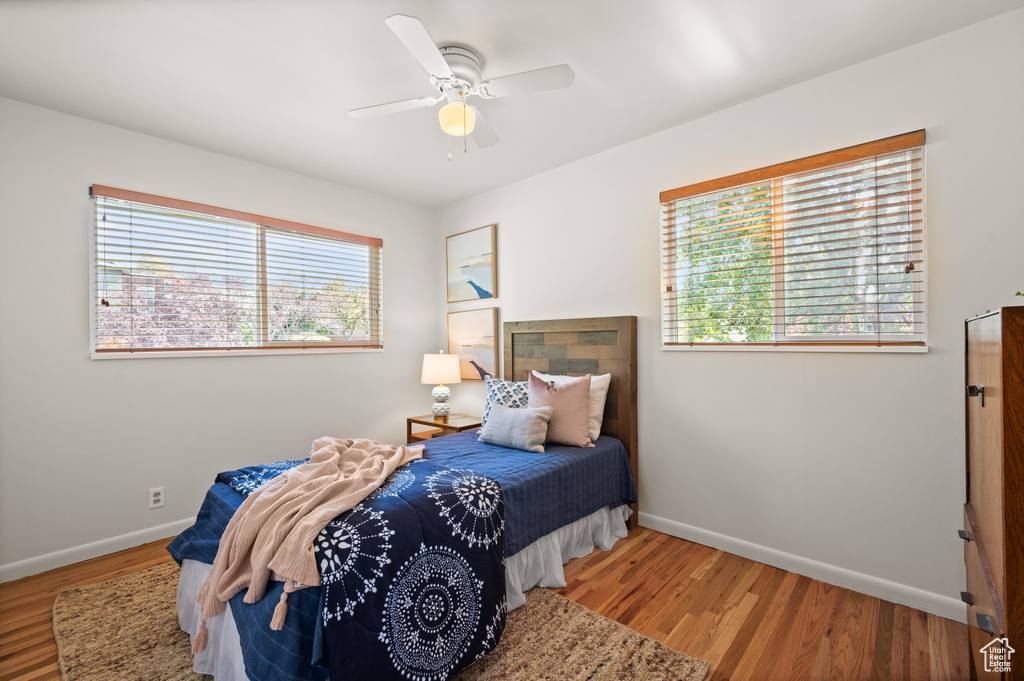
x=470 y=258
x=473 y=336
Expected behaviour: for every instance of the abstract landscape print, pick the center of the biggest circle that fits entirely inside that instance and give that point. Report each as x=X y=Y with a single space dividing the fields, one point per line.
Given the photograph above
x=472 y=335
x=470 y=261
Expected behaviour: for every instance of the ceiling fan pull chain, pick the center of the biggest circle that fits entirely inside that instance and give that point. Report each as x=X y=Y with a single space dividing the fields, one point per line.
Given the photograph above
x=465 y=143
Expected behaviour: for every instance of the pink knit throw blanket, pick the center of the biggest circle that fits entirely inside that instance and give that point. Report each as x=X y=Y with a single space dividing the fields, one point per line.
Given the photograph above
x=271 y=534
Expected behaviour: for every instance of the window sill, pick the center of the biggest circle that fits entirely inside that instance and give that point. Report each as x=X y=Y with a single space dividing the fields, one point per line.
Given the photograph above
x=163 y=354
x=739 y=347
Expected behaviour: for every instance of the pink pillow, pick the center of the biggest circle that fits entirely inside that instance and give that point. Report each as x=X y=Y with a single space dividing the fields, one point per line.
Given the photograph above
x=570 y=424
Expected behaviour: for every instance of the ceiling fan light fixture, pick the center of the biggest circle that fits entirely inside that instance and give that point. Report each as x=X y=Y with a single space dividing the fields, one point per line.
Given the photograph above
x=456 y=118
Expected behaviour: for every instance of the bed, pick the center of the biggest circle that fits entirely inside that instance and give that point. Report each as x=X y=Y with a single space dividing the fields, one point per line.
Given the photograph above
x=554 y=506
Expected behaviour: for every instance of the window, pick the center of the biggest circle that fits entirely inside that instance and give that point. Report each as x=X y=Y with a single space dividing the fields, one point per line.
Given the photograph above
x=172 y=275
x=825 y=250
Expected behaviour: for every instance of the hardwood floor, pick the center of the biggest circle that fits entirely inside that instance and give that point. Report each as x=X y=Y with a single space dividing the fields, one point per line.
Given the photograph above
x=27 y=650
x=751 y=620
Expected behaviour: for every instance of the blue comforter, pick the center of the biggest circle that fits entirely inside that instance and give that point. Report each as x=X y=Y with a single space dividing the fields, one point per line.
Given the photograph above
x=412 y=579
x=541 y=492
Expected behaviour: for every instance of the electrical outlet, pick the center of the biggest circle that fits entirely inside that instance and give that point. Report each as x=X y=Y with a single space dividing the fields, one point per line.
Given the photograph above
x=156 y=497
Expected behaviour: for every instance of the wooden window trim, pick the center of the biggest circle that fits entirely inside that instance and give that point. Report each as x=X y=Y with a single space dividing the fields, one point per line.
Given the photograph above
x=780 y=236
x=262 y=223
x=800 y=344
x=801 y=165
x=178 y=204
x=255 y=348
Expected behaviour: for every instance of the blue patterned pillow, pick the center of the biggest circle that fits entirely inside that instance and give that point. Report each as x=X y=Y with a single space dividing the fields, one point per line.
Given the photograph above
x=513 y=395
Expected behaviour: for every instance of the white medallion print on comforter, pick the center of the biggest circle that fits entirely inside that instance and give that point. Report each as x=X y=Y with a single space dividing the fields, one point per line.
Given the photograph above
x=412 y=580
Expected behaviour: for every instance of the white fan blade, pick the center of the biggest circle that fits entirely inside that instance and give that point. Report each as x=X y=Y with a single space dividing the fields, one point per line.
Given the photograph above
x=550 y=78
x=393 y=107
x=416 y=39
x=483 y=134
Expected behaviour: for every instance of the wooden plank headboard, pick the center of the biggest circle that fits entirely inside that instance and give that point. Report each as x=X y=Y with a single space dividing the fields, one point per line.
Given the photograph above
x=574 y=347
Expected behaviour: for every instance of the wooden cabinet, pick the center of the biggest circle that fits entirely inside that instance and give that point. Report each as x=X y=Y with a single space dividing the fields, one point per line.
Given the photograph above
x=994 y=513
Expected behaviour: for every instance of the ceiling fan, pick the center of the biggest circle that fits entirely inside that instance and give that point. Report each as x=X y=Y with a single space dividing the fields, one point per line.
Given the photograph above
x=455 y=71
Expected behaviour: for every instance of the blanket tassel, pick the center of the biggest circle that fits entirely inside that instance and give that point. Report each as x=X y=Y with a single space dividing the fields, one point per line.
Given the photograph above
x=280 y=611
x=201 y=639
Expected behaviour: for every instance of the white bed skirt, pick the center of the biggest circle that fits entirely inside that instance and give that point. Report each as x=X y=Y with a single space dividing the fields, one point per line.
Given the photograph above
x=539 y=564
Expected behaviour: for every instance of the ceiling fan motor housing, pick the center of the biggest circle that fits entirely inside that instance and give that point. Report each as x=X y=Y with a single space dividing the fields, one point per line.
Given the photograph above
x=465 y=65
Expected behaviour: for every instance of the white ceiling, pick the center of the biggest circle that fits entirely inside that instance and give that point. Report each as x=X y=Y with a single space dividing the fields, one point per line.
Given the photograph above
x=272 y=81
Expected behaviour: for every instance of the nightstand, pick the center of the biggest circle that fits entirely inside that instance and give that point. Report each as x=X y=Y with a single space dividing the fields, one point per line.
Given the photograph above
x=455 y=424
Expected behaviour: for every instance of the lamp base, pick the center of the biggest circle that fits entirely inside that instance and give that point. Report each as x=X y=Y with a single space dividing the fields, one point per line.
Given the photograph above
x=441 y=411
x=441 y=408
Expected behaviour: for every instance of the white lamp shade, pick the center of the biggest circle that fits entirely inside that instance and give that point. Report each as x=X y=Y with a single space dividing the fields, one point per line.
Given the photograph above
x=441 y=369
x=456 y=119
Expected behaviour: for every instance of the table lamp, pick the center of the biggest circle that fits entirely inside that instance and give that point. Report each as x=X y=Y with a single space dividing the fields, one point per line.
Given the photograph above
x=440 y=369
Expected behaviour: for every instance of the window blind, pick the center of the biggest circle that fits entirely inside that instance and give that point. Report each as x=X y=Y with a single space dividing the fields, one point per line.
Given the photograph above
x=829 y=249
x=174 y=275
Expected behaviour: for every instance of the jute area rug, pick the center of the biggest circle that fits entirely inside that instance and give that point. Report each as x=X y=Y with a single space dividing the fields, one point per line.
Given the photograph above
x=127 y=629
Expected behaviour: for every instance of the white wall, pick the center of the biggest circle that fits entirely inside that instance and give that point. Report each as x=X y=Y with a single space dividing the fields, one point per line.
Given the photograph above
x=81 y=441
x=846 y=467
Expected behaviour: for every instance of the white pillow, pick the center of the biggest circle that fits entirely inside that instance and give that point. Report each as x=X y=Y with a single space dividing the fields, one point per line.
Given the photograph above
x=598 y=394
x=520 y=428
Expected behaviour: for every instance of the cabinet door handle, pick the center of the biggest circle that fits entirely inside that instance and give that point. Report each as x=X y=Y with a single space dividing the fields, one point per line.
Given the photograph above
x=985 y=623
x=964 y=534
x=966 y=597
x=977 y=391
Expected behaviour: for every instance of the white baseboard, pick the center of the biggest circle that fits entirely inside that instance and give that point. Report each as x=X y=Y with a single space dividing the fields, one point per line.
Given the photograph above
x=933 y=603
x=76 y=554
x=927 y=601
